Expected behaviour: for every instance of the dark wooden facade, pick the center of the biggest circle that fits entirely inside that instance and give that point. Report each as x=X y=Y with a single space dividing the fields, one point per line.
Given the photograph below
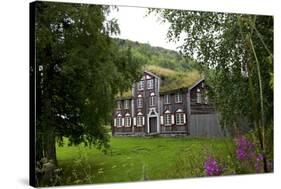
x=150 y=111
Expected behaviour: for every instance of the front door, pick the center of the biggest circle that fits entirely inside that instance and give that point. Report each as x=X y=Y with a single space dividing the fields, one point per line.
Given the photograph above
x=153 y=125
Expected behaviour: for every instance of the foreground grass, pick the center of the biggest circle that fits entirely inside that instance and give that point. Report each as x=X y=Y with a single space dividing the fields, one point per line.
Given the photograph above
x=137 y=159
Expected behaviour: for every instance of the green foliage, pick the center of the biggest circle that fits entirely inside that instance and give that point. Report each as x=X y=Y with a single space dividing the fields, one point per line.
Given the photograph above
x=236 y=53
x=220 y=43
x=175 y=70
x=147 y=54
x=79 y=71
x=47 y=174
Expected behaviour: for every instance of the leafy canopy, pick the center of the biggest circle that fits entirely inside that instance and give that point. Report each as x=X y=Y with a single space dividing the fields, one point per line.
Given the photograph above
x=79 y=71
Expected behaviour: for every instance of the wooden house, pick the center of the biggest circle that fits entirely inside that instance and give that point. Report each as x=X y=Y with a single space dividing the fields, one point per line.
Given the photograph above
x=166 y=103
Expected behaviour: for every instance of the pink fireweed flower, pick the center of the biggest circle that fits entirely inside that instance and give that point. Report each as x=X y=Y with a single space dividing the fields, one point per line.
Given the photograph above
x=211 y=167
x=245 y=148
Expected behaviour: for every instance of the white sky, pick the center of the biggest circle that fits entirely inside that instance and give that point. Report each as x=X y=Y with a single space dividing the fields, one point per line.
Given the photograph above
x=135 y=26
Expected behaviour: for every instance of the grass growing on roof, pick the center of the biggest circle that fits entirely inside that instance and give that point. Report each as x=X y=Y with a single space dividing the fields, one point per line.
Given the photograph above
x=125 y=94
x=172 y=80
x=138 y=159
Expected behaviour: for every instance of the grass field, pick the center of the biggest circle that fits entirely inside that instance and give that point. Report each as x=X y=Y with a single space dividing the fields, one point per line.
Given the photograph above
x=138 y=159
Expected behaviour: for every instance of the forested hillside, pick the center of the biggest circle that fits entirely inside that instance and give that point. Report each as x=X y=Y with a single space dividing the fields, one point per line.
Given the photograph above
x=149 y=55
x=175 y=70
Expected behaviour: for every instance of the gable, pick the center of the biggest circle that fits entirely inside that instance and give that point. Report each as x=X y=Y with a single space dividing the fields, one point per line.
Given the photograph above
x=173 y=80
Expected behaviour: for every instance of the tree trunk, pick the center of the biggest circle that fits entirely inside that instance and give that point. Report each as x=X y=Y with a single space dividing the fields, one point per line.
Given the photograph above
x=50 y=144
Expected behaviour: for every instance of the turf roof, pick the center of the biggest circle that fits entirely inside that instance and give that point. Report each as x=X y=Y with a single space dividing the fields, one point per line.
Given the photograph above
x=170 y=80
x=173 y=80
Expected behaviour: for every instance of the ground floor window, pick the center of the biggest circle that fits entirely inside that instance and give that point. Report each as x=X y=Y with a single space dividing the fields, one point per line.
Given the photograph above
x=127 y=121
x=167 y=119
x=140 y=120
x=118 y=121
x=180 y=118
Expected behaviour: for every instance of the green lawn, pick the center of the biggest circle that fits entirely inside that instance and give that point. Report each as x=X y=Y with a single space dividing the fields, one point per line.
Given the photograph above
x=137 y=159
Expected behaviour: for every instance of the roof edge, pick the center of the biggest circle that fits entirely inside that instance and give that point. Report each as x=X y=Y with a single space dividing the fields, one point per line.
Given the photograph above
x=151 y=74
x=196 y=83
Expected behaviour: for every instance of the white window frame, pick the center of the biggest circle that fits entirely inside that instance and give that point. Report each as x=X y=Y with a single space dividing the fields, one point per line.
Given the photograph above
x=178 y=97
x=179 y=118
x=152 y=99
x=119 y=121
x=139 y=102
x=139 y=120
x=167 y=119
x=141 y=85
x=126 y=104
x=198 y=96
x=127 y=121
x=150 y=83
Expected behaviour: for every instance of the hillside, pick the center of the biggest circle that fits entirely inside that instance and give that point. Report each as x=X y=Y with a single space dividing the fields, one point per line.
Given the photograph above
x=158 y=56
x=175 y=71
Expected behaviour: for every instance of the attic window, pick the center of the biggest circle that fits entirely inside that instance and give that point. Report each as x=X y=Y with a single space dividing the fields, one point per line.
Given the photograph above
x=198 y=96
x=150 y=84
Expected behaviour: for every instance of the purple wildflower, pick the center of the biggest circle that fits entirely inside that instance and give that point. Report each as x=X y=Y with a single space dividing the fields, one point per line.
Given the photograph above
x=245 y=148
x=211 y=167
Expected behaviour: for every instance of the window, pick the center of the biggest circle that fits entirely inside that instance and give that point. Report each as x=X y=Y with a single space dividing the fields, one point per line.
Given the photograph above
x=141 y=85
x=139 y=120
x=126 y=104
x=139 y=102
x=150 y=84
x=178 y=97
x=152 y=99
x=119 y=120
x=179 y=118
x=166 y=99
x=127 y=121
x=206 y=98
x=198 y=96
x=167 y=118
x=119 y=104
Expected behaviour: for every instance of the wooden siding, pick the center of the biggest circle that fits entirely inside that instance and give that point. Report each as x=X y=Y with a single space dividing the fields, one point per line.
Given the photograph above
x=200 y=108
x=173 y=107
x=205 y=125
